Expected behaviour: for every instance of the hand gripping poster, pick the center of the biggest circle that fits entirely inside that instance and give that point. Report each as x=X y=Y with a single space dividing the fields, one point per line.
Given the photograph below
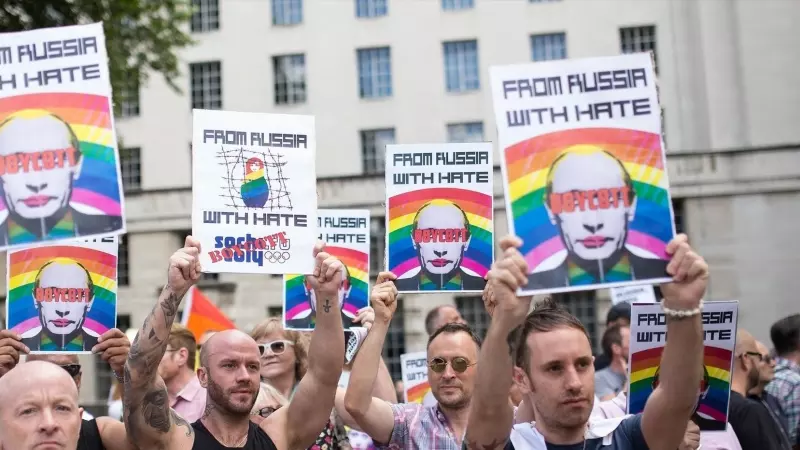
x=346 y=235
x=648 y=337
x=63 y=296
x=414 y=369
x=254 y=197
x=439 y=216
x=584 y=171
x=59 y=166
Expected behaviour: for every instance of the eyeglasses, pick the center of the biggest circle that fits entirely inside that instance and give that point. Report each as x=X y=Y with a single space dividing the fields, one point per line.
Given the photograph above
x=267 y=410
x=276 y=347
x=458 y=364
x=759 y=356
x=72 y=369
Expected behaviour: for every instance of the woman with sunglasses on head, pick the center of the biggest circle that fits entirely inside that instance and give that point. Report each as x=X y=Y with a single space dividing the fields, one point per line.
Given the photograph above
x=284 y=362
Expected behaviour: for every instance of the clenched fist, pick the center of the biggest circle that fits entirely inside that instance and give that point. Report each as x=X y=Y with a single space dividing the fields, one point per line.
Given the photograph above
x=509 y=273
x=184 y=267
x=327 y=279
x=384 y=297
x=689 y=273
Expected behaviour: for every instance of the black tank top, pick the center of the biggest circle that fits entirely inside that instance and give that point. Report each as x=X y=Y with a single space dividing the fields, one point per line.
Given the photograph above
x=257 y=439
x=90 y=436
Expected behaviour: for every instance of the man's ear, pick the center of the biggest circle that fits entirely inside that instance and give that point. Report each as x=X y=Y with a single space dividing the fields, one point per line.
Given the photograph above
x=632 y=209
x=202 y=375
x=76 y=171
x=521 y=380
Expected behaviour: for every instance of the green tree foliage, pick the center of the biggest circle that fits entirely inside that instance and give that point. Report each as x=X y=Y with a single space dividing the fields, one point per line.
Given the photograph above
x=142 y=36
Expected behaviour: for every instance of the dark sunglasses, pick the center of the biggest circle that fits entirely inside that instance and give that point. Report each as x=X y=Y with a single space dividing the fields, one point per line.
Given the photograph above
x=267 y=410
x=458 y=364
x=276 y=347
x=72 y=369
x=758 y=356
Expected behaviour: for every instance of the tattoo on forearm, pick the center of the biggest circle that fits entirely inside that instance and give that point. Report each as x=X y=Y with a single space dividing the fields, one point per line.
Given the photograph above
x=494 y=445
x=327 y=306
x=169 y=307
x=155 y=410
x=181 y=422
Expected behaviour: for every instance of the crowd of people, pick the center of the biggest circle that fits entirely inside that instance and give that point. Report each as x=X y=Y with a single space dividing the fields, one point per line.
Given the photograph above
x=531 y=383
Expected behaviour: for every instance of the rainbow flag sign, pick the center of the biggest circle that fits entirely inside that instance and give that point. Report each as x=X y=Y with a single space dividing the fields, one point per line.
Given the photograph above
x=62 y=297
x=346 y=234
x=439 y=216
x=648 y=337
x=201 y=315
x=59 y=165
x=414 y=369
x=584 y=171
x=254 y=191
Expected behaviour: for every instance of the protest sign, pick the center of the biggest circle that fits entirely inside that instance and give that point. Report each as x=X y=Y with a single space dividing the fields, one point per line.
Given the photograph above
x=584 y=171
x=633 y=294
x=62 y=297
x=414 y=369
x=439 y=216
x=254 y=198
x=59 y=165
x=648 y=337
x=346 y=234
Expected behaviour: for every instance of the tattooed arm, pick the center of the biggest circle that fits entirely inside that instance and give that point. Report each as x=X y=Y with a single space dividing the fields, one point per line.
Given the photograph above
x=149 y=421
x=299 y=424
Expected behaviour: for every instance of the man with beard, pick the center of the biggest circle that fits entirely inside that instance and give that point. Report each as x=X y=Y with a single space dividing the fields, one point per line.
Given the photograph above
x=186 y=396
x=750 y=419
x=452 y=356
x=553 y=366
x=591 y=201
x=441 y=235
x=766 y=373
x=229 y=369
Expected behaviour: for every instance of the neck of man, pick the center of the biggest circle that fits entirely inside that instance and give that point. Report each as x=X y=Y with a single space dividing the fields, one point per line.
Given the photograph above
x=439 y=279
x=739 y=382
x=792 y=356
x=39 y=227
x=457 y=418
x=559 y=435
x=758 y=390
x=178 y=382
x=63 y=339
x=284 y=383
x=618 y=365
x=229 y=430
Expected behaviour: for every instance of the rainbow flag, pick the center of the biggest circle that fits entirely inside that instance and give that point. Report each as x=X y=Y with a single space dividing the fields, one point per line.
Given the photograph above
x=98 y=258
x=528 y=166
x=347 y=236
x=417 y=393
x=201 y=315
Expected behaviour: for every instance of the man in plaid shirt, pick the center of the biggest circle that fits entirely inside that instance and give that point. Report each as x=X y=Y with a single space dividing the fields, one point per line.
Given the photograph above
x=785 y=335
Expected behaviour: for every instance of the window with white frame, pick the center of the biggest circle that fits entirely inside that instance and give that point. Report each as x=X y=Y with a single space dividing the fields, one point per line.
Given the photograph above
x=472 y=310
x=287 y=12
x=461 y=66
x=290 y=79
x=205 y=16
x=465 y=132
x=680 y=215
x=206 y=82
x=377 y=244
x=374 y=72
x=122 y=261
x=457 y=4
x=130 y=164
x=639 y=39
x=373 y=149
x=548 y=47
x=371 y=8
x=129 y=97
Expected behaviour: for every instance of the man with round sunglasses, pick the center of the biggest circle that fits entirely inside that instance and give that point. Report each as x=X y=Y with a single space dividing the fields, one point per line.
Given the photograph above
x=452 y=357
x=102 y=433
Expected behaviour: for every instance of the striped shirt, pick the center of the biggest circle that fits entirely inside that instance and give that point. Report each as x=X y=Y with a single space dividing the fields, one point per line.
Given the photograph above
x=786 y=388
x=419 y=427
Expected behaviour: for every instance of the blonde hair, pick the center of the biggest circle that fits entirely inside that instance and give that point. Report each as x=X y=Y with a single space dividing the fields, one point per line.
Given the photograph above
x=275 y=324
x=181 y=337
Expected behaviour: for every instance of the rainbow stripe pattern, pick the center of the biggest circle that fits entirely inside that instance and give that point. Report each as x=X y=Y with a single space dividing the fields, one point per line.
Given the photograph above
x=357 y=263
x=527 y=165
x=23 y=265
x=714 y=406
x=417 y=393
x=97 y=190
x=255 y=190
x=402 y=208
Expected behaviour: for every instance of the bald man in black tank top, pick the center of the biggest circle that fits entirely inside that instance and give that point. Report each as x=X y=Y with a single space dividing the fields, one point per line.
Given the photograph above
x=230 y=371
